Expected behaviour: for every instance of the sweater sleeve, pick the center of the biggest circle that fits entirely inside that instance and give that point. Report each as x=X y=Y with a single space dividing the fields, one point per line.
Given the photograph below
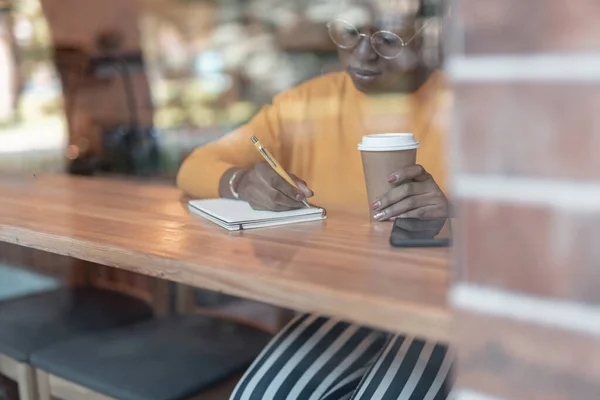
x=201 y=172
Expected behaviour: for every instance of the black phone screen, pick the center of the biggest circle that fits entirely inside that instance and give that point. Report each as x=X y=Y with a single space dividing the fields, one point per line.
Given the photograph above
x=409 y=232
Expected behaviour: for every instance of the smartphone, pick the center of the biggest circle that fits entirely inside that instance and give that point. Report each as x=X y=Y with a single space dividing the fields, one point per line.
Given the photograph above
x=409 y=232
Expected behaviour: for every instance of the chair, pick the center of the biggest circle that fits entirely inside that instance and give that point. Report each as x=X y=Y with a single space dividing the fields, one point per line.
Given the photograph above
x=171 y=358
x=33 y=322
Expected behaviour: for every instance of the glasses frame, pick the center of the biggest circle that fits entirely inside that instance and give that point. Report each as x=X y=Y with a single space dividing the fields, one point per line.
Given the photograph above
x=370 y=37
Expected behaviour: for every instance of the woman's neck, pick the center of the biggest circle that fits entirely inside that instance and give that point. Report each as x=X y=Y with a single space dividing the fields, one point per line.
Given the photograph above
x=413 y=82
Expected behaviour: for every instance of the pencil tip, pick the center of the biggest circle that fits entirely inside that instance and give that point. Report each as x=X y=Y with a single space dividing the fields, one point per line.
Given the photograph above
x=254 y=139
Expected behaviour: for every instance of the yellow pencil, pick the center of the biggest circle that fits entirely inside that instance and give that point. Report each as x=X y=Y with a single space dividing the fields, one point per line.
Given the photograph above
x=276 y=166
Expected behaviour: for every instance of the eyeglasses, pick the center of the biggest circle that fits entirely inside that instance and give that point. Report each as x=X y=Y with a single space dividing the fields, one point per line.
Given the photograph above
x=386 y=44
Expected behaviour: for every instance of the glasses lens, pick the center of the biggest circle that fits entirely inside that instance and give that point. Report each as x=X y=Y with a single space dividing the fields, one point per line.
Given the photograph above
x=343 y=34
x=387 y=44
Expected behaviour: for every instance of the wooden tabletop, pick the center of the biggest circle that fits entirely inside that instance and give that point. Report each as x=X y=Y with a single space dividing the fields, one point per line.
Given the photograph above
x=342 y=267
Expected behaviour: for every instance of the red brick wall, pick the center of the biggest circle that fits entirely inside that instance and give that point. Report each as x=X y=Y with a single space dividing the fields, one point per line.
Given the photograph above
x=526 y=173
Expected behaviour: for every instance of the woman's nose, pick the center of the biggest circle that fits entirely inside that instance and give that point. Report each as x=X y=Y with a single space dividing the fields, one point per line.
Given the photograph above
x=364 y=50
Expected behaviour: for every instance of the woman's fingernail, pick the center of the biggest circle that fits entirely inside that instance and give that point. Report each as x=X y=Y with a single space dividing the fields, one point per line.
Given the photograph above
x=376 y=204
x=299 y=197
x=403 y=216
x=379 y=215
x=392 y=178
x=393 y=218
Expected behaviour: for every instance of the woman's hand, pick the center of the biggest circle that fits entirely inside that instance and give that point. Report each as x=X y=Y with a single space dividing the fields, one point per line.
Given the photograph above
x=264 y=189
x=416 y=195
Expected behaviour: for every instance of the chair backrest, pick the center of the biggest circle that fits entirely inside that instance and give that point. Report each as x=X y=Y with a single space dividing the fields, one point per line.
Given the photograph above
x=189 y=300
x=72 y=272
x=153 y=291
x=60 y=267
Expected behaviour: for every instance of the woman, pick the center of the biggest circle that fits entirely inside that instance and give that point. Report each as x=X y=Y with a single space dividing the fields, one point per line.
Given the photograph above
x=313 y=130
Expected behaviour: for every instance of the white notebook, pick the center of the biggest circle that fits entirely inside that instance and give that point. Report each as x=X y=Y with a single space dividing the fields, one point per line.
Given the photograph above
x=234 y=215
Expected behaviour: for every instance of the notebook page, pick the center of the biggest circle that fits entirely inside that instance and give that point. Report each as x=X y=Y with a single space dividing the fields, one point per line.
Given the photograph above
x=240 y=212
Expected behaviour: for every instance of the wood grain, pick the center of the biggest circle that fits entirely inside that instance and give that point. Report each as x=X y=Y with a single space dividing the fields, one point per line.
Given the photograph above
x=343 y=266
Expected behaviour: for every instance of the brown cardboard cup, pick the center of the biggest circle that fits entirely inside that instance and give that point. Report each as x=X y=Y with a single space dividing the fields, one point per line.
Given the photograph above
x=382 y=155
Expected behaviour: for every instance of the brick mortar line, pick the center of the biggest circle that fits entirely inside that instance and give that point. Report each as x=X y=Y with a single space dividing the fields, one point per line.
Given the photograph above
x=561 y=194
x=566 y=68
x=466 y=394
x=569 y=316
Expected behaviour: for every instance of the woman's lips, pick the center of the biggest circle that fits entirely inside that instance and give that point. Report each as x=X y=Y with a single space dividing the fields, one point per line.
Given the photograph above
x=363 y=75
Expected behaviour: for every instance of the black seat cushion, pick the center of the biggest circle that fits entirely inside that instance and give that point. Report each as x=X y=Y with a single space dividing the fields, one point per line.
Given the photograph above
x=165 y=359
x=36 y=321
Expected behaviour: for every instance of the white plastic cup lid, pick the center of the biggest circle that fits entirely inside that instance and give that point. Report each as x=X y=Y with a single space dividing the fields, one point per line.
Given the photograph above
x=388 y=142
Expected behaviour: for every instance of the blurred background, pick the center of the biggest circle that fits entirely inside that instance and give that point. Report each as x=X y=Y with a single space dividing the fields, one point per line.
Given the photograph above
x=76 y=74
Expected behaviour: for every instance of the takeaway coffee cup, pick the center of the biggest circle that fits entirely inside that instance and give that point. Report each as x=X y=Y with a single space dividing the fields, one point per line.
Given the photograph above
x=382 y=155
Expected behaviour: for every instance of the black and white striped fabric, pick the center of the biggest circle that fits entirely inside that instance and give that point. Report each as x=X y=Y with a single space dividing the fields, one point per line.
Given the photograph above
x=316 y=358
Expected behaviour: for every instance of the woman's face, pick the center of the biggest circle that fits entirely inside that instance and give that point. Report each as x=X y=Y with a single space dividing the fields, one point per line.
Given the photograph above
x=370 y=71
